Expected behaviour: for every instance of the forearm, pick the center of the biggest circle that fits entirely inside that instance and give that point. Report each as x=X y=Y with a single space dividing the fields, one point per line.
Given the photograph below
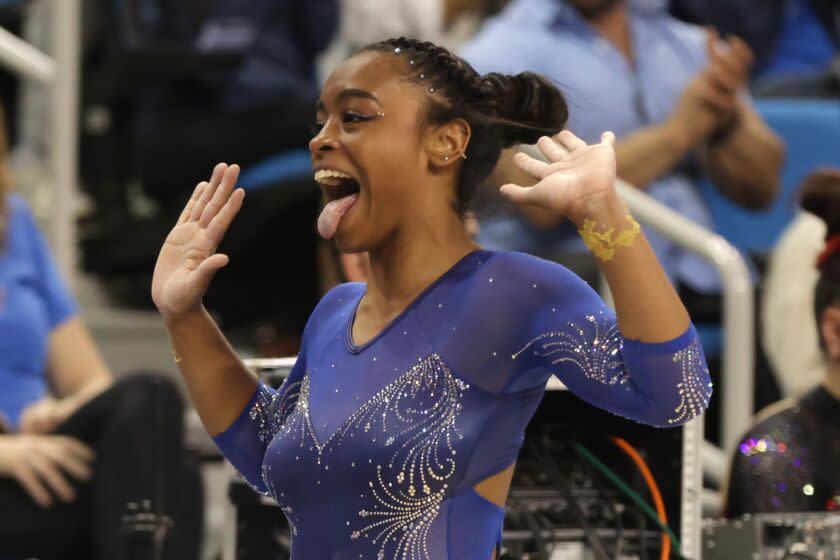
x=647 y=306
x=651 y=152
x=218 y=383
x=746 y=165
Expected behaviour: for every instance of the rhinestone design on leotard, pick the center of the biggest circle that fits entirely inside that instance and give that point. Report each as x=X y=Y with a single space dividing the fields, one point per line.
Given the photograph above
x=594 y=347
x=694 y=393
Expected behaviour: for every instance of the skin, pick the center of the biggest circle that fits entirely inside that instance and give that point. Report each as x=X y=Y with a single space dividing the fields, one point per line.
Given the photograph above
x=405 y=220
x=745 y=167
x=829 y=326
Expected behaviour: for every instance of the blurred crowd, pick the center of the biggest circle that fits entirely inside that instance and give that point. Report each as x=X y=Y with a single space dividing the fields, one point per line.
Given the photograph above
x=723 y=109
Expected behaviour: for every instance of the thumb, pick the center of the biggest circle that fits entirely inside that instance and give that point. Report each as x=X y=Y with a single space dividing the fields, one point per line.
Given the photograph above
x=208 y=269
x=517 y=194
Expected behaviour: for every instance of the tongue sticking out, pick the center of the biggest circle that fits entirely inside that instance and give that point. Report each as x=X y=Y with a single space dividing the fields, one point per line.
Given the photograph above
x=332 y=214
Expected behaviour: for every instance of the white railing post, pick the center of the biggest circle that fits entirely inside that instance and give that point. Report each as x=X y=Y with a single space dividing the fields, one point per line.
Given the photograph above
x=66 y=46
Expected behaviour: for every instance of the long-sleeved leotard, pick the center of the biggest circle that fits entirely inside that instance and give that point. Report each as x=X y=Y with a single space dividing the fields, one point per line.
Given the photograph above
x=373 y=451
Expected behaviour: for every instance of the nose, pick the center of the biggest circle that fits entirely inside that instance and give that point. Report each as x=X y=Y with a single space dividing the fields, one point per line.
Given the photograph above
x=324 y=141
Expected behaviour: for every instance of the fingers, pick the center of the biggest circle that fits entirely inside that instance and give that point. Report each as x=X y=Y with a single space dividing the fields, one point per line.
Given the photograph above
x=740 y=50
x=208 y=191
x=185 y=214
x=221 y=196
x=517 y=194
x=75 y=463
x=77 y=448
x=719 y=100
x=608 y=137
x=553 y=151
x=33 y=486
x=725 y=78
x=569 y=141
x=534 y=167
x=221 y=222
x=50 y=474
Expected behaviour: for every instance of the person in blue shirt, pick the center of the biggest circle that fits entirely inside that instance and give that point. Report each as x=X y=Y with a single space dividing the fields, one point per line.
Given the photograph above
x=673 y=93
x=74 y=443
x=396 y=432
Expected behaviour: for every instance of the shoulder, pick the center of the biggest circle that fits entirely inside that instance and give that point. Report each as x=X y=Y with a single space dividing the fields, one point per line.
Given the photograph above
x=342 y=296
x=542 y=276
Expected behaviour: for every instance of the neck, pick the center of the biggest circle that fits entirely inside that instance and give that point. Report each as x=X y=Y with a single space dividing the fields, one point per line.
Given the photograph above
x=831 y=382
x=414 y=258
x=614 y=26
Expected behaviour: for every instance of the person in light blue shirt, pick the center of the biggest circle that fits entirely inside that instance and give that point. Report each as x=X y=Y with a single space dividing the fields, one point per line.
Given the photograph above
x=673 y=93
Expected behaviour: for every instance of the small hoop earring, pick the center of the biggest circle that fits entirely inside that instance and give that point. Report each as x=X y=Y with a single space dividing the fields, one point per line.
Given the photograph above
x=445 y=158
x=463 y=155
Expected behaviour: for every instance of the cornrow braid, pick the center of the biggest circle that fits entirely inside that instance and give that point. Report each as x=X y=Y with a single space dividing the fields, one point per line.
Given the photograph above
x=502 y=110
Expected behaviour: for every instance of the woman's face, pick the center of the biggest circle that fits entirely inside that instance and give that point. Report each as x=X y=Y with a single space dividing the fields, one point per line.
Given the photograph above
x=369 y=142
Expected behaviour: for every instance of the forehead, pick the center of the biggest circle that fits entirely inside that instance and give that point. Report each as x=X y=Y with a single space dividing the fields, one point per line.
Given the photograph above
x=374 y=72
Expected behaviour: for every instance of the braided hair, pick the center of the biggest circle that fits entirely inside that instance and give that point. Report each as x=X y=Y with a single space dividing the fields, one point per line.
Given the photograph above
x=820 y=194
x=501 y=110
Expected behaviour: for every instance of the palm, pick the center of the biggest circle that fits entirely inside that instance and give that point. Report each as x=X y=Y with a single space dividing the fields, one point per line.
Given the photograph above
x=576 y=175
x=188 y=259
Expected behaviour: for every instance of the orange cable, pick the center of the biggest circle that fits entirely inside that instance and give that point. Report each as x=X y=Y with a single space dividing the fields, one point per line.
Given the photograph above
x=654 y=490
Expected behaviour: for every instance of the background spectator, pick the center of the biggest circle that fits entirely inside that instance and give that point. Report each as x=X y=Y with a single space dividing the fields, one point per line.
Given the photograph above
x=673 y=93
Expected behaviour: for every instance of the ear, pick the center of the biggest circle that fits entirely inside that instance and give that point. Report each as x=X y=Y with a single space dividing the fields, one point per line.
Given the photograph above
x=830 y=331
x=447 y=144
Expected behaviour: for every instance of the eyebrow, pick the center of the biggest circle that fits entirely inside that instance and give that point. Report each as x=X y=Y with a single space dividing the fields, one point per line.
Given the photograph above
x=350 y=93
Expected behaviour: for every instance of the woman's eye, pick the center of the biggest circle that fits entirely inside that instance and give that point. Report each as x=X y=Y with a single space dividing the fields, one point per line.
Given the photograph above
x=353 y=117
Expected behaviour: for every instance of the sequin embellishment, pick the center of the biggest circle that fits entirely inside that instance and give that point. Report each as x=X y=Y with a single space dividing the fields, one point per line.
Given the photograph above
x=416 y=415
x=694 y=394
x=595 y=348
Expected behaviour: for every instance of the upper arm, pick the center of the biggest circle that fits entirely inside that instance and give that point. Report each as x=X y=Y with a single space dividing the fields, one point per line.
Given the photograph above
x=73 y=358
x=574 y=336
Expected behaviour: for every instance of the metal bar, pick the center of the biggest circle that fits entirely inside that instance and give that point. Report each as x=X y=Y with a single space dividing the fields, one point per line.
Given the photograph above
x=24 y=59
x=65 y=130
x=738 y=328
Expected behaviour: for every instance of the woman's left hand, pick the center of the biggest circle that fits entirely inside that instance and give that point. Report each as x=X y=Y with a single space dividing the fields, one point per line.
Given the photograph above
x=579 y=179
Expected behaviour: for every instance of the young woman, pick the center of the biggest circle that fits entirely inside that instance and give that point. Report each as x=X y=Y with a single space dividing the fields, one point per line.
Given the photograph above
x=396 y=433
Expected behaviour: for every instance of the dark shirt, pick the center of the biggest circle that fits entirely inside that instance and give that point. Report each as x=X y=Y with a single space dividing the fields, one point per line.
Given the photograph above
x=791 y=461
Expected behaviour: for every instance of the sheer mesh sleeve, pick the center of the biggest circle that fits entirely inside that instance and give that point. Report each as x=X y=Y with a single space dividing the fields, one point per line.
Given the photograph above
x=244 y=443
x=576 y=337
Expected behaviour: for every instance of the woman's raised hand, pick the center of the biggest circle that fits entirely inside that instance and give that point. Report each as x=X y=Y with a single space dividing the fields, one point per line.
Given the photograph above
x=578 y=178
x=188 y=259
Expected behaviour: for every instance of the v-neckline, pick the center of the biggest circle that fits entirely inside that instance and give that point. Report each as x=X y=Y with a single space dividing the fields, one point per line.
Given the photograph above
x=354 y=348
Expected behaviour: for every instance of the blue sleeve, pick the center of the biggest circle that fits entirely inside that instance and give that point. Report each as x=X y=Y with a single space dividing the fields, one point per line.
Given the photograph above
x=58 y=302
x=574 y=336
x=245 y=441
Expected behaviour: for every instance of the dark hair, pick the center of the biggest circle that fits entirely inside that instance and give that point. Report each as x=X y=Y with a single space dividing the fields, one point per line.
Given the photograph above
x=501 y=110
x=820 y=194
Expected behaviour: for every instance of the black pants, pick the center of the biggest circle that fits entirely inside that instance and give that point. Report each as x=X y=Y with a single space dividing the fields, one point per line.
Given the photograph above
x=131 y=455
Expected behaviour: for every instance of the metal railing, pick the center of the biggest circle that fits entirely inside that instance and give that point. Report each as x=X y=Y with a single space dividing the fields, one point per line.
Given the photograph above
x=61 y=73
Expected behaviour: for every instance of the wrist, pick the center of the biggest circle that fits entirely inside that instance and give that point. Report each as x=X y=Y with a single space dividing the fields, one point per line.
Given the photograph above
x=608 y=210
x=176 y=320
x=679 y=135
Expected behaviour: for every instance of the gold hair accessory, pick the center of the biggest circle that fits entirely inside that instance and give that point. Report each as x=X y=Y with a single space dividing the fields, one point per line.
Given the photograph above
x=176 y=357
x=602 y=245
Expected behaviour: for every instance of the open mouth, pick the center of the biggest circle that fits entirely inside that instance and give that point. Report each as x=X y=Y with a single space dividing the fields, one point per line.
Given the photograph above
x=336 y=184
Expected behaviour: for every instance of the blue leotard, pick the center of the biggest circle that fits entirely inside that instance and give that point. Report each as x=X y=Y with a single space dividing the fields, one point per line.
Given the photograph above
x=372 y=451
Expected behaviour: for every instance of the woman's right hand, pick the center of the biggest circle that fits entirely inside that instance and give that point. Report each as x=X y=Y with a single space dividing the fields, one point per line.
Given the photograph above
x=188 y=259
x=41 y=464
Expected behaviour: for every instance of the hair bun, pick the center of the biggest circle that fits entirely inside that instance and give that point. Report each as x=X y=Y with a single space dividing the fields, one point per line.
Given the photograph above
x=820 y=195
x=528 y=105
